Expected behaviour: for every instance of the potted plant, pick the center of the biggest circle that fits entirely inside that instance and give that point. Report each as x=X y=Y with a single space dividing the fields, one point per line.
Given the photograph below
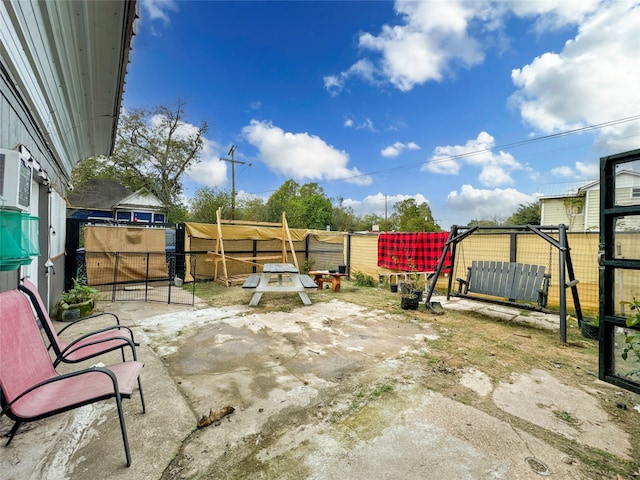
x=590 y=328
x=77 y=302
x=411 y=290
x=408 y=296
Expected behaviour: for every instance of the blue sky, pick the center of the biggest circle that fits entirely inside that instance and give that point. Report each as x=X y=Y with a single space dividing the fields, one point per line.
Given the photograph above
x=464 y=105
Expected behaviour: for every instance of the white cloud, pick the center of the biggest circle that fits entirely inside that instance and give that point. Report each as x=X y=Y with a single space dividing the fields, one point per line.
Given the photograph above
x=481 y=204
x=428 y=42
x=582 y=171
x=588 y=170
x=495 y=167
x=183 y=130
x=159 y=9
x=244 y=195
x=367 y=124
x=562 y=172
x=361 y=69
x=376 y=203
x=300 y=156
x=210 y=171
x=397 y=148
x=592 y=80
x=553 y=14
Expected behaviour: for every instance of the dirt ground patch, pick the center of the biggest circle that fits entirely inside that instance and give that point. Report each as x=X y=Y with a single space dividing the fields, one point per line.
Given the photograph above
x=342 y=371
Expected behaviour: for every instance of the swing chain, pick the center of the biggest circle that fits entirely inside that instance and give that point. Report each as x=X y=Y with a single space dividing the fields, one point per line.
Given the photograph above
x=549 y=267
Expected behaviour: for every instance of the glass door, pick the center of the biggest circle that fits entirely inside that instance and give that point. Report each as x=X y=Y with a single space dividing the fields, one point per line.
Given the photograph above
x=619 y=261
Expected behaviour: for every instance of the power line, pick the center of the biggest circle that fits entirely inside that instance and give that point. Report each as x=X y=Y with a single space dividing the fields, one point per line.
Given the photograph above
x=233 y=162
x=505 y=146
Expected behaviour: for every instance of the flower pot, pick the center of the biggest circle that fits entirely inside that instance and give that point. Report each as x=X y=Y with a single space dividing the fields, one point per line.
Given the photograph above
x=342 y=269
x=393 y=287
x=589 y=330
x=69 y=313
x=409 y=302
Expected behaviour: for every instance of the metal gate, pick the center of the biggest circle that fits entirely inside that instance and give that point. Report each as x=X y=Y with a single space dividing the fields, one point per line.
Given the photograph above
x=619 y=260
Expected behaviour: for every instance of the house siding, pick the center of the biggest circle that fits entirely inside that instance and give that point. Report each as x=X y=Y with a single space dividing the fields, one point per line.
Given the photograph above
x=44 y=85
x=555 y=213
x=592 y=207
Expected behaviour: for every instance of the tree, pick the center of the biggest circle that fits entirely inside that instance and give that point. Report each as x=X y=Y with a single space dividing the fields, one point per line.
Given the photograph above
x=484 y=222
x=415 y=218
x=306 y=206
x=525 y=215
x=251 y=208
x=283 y=200
x=153 y=149
x=317 y=210
x=206 y=202
x=344 y=220
x=99 y=168
x=367 y=222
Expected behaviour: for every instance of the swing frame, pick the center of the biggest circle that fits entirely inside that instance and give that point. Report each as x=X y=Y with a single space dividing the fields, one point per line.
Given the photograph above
x=565 y=266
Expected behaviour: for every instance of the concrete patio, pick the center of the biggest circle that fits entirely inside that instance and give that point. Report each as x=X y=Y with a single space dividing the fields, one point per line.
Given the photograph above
x=328 y=391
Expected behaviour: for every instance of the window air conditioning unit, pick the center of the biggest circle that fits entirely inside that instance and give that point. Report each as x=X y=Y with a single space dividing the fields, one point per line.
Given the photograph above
x=15 y=180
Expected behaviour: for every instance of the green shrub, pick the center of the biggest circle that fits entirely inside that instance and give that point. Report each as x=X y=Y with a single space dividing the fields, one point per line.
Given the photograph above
x=307 y=266
x=632 y=342
x=363 y=280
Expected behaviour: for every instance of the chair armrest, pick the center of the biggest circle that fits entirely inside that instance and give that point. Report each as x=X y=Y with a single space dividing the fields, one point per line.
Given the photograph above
x=97 y=315
x=462 y=282
x=105 y=329
x=71 y=346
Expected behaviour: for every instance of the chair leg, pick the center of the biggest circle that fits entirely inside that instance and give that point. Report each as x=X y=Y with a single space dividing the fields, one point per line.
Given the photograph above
x=12 y=433
x=123 y=429
x=144 y=409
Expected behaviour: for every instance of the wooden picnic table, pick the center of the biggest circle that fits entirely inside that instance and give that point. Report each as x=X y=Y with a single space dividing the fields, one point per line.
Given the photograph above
x=279 y=277
x=320 y=276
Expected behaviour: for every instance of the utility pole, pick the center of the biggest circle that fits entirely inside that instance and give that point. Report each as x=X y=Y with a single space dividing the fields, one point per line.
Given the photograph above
x=233 y=162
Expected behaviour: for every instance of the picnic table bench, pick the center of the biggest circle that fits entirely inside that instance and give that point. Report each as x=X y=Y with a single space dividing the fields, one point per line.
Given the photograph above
x=254 y=280
x=509 y=280
x=287 y=279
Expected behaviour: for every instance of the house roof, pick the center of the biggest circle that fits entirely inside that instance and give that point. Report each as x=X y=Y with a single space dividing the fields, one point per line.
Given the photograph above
x=69 y=60
x=141 y=199
x=106 y=195
x=594 y=185
x=98 y=195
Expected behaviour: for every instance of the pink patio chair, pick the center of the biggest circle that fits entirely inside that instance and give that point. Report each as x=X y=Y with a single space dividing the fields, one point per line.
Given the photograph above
x=31 y=387
x=89 y=345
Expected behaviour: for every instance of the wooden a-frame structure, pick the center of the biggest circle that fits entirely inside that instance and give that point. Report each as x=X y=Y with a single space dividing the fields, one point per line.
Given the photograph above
x=221 y=258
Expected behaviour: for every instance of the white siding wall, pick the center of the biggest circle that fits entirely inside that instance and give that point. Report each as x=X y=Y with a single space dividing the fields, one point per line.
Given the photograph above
x=554 y=213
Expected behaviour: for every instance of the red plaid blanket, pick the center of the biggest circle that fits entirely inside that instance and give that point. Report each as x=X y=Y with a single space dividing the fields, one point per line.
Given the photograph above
x=418 y=252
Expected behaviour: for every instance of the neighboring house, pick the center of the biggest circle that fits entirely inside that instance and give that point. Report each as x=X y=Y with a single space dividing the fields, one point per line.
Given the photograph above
x=108 y=199
x=62 y=75
x=580 y=210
